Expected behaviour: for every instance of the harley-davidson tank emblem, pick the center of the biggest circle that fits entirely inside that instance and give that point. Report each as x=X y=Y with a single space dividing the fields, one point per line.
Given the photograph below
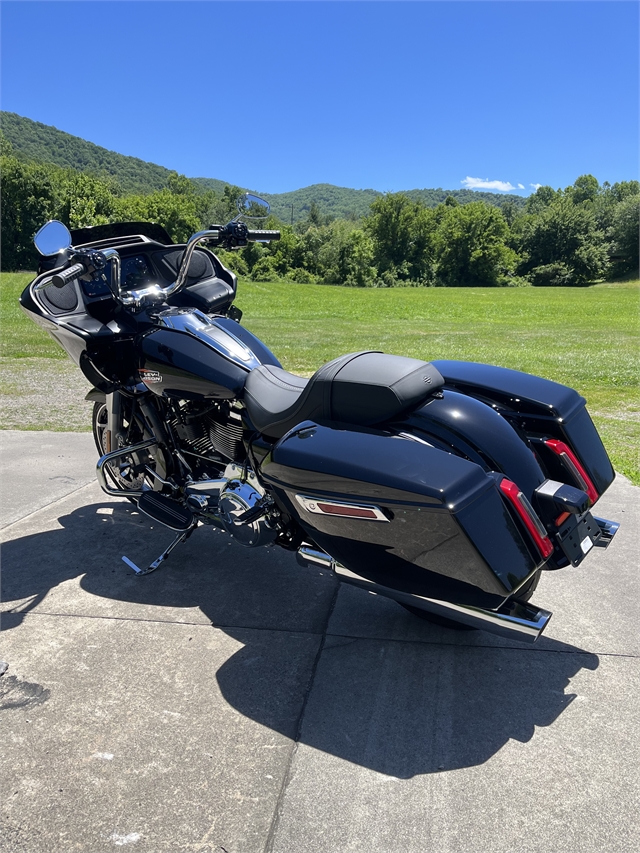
x=150 y=376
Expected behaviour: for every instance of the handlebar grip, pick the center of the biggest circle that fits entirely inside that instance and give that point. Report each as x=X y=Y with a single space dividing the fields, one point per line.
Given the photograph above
x=64 y=277
x=263 y=235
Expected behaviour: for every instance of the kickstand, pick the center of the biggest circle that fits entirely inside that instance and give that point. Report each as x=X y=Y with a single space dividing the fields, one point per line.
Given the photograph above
x=181 y=537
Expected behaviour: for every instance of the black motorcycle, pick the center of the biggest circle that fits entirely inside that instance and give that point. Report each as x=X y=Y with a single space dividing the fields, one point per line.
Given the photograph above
x=448 y=486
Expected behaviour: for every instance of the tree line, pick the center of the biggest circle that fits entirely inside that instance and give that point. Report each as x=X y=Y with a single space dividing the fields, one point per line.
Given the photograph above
x=570 y=236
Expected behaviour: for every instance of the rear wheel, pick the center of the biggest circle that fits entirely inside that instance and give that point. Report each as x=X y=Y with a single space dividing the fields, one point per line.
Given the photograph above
x=523 y=595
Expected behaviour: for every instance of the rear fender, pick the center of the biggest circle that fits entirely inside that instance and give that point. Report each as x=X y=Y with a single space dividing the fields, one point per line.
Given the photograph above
x=539 y=409
x=473 y=429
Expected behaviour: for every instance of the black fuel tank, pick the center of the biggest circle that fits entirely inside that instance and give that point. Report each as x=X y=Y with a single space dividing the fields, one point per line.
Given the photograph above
x=194 y=356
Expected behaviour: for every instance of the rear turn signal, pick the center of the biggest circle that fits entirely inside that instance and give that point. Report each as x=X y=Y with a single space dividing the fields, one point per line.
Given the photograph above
x=528 y=516
x=572 y=464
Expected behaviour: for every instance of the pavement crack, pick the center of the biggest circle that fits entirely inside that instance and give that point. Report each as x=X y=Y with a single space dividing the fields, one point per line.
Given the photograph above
x=346 y=638
x=288 y=773
x=218 y=625
x=487 y=647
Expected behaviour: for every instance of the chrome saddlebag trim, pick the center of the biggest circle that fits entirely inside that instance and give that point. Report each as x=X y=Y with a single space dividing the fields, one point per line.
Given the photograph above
x=341 y=509
x=517 y=620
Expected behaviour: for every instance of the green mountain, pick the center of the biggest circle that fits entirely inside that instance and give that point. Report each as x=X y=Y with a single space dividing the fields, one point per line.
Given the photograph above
x=345 y=203
x=42 y=143
x=337 y=202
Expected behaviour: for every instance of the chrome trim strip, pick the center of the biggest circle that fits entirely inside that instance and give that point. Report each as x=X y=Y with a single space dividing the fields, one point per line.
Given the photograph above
x=549 y=488
x=311 y=505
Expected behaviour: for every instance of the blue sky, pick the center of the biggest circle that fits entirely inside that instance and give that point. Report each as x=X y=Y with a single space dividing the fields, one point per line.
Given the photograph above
x=388 y=95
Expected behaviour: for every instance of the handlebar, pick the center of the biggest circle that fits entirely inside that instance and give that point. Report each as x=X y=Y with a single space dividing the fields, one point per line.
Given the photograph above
x=234 y=234
x=257 y=236
x=68 y=275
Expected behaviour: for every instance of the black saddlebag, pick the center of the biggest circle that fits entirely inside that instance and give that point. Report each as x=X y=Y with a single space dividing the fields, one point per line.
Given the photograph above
x=401 y=513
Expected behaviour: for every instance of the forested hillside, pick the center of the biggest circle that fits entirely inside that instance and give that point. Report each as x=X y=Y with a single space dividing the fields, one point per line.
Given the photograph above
x=432 y=198
x=40 y=143
x=343 y=203
x=359 y=238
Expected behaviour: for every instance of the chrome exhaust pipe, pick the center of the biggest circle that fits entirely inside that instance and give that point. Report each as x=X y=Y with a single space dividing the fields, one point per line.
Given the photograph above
x=608 y=530
x=308 y=556
x=517 y=620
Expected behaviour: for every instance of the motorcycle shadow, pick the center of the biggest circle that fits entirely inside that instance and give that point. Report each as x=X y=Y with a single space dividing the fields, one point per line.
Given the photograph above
x=409 y=700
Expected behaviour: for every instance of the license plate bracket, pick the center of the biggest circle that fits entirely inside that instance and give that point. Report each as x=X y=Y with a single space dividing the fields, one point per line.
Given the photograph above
x=577 y=536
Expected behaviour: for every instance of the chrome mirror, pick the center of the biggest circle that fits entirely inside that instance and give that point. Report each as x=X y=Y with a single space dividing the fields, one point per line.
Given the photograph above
x=253 y=207
x=52 y=238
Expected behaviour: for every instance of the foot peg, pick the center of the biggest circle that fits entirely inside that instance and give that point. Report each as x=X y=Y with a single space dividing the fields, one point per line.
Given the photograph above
x=169 y=513
x=165 y=511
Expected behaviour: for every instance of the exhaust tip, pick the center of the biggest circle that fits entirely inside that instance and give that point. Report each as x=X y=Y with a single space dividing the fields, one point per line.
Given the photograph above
x=608 y=530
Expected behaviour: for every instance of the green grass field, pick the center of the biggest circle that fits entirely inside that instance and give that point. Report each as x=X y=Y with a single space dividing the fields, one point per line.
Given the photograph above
x=587 y=338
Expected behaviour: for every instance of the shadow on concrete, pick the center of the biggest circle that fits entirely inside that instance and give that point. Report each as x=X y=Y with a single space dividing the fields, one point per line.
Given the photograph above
x=396 y=707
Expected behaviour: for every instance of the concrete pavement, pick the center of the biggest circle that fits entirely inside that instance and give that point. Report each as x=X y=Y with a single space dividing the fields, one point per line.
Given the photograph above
x=233 y=701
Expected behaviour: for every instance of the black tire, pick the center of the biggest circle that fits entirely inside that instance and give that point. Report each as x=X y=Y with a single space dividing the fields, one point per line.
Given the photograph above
x=123 y=476
x=524 y=595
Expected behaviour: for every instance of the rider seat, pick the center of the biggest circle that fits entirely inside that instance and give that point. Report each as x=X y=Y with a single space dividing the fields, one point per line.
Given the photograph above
x=362 y=388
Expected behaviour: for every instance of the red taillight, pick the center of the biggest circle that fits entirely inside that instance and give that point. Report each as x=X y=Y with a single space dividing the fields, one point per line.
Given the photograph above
x=572 y=463
x=528 y=516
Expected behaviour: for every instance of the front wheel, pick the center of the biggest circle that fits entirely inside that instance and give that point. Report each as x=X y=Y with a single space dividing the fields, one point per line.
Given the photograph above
x=129 y=472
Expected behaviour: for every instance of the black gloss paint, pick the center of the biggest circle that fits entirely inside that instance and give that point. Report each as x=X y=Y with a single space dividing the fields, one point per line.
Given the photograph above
x=478 y=431
x=538 y=407
x=193 y=356
x=441 y=540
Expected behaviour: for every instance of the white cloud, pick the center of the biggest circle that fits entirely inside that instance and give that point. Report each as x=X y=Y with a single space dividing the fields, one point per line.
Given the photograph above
x=520 y=186
x=486 y=184
x=535 y=186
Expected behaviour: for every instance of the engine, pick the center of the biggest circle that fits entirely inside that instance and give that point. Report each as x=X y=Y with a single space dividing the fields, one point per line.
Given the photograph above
x=214 y=430
x=239 y=503
x=236 y=501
